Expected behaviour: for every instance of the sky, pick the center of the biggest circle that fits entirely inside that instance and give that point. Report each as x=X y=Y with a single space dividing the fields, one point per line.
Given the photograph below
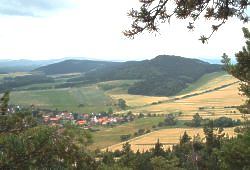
x=53 y=29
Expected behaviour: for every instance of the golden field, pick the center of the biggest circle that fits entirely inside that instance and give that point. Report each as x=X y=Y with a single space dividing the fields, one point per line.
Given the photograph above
x=137 y=100
x=212 y=105
x=168 y=137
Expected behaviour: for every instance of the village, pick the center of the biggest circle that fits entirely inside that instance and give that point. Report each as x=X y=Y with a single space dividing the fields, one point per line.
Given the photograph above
x=84 y=120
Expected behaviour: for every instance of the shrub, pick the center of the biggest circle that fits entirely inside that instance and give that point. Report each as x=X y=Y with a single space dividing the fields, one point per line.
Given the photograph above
x=170 y=120
x=125 y=137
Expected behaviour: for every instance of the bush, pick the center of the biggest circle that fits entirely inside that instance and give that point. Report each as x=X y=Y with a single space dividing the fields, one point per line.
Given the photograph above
x=125 y=137
x=226 y=122
x=141 y=131
x=220 y=122
x=170 y=120
x=136 y=134
x=141 y=115
x=196 y=121
x=160 y=124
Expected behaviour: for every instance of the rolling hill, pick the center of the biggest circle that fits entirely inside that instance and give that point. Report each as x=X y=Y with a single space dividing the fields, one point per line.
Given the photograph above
x=162 y=76
x=23 y=65
x=73 y=66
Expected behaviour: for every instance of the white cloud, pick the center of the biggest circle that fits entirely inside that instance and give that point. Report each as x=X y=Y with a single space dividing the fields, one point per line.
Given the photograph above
x=32 y=7
x=94 y=29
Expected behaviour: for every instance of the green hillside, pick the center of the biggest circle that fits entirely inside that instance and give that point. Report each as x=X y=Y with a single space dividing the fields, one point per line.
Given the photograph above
x=73 y=66
x=202 y=81
x=161 y=76
x=84 y=99
x=91 y=98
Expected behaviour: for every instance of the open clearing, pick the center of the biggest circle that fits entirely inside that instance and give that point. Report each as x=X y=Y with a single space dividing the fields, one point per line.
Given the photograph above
x=69 y=99
x=168 y=137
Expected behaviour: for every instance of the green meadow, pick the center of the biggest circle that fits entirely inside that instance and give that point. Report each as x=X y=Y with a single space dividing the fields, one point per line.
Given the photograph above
x=82 y=99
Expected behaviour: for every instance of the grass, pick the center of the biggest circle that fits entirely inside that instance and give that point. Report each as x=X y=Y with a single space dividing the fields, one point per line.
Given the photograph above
x=42 y=85
x=110 y=136
x=93 y=99
x=116 y=86
x=206 y=82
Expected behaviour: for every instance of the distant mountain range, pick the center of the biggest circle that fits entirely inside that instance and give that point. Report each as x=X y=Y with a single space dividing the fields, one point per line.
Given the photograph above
x=23 y=65
x=74 y=66
x=162 y=76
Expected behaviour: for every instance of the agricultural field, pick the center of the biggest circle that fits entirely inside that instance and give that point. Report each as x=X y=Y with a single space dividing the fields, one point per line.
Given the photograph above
x=168 y=137
x=209 y=81
x=211 y=105
x=101 y=96
x=83 y=99
x=138 y=100
x=16 y=74
x=110 y=136
x=118 y=89
x=208 y=105
x=116 y=86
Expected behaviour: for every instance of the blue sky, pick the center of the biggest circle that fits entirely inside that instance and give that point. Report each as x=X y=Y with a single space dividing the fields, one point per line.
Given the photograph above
x=49 y=29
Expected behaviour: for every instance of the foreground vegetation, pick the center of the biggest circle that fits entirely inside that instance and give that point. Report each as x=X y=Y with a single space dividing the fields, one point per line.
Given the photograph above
x=26 y=144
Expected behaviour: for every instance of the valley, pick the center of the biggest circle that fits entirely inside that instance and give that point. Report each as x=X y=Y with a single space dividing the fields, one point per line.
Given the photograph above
x=213 y=95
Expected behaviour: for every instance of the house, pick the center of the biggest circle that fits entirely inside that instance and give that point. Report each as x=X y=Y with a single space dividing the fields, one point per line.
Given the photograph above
x=54 y=120
x=45 y=118
x=81 y=122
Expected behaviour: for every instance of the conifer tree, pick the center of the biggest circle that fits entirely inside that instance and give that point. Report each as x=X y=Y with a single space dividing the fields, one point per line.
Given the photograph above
x=153 y=13
x=4 y=103
x=26 y=145
x=241 y=70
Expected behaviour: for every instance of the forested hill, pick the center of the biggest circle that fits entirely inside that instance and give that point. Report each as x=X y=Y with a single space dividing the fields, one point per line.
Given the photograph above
x=162 y=76
x=74 y=66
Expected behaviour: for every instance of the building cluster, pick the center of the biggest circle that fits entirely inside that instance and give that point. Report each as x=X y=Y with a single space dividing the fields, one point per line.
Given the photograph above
x=86 y=120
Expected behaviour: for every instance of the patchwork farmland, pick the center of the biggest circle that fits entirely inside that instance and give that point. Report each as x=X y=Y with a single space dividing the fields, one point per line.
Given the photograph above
x=168 y=137
x=212 y=104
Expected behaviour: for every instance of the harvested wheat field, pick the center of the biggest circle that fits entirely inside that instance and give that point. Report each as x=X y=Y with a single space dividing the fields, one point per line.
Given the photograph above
x=210 y=105
x=216 y=82
x=168 y=137
x=138 y=100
